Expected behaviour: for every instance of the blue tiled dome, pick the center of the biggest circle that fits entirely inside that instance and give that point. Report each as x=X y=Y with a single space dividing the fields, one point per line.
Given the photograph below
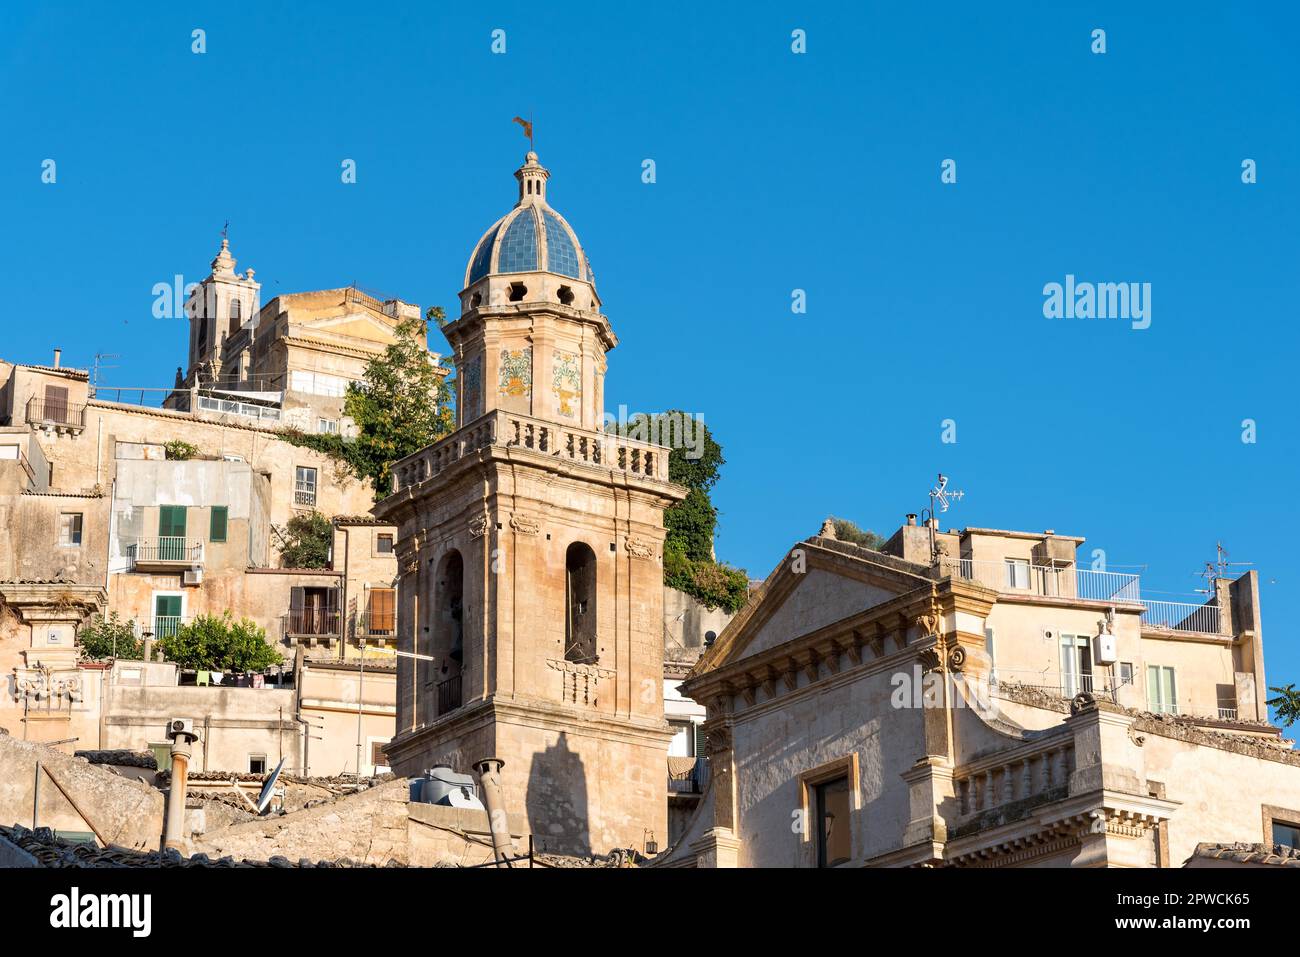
x=532 y=237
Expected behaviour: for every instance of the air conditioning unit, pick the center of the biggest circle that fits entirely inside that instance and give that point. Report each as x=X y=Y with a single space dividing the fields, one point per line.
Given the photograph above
x=194 y=576
x=1104 y=651
x=177 y=726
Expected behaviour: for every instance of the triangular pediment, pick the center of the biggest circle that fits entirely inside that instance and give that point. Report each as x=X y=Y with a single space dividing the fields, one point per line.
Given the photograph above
x=817 y=584
x=359 y=324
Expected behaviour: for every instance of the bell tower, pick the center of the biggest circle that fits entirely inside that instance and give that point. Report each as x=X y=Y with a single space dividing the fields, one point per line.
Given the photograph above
x=217 y=307
x=531 y=546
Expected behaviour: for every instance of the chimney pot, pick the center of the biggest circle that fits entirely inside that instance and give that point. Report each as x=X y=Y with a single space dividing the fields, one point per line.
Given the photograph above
x=58 y=357
x=911 y=518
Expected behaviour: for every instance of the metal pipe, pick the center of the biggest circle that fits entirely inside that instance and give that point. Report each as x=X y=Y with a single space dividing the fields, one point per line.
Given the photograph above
x=489 y=774
x=176 y=793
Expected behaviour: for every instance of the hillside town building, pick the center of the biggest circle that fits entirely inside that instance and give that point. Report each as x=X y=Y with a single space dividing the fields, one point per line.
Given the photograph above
x=982 y=699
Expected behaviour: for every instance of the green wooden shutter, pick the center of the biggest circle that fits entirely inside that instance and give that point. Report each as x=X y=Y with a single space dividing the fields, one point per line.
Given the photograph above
x=217 y=524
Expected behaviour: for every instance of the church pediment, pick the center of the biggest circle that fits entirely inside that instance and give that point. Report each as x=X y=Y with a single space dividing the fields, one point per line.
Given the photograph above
x=813 y=587
x=354 y=325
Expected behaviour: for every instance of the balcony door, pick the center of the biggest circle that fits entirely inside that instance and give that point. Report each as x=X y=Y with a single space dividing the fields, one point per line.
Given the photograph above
x=166 y=615
x=1076 y=665
x=56 y=404
x=171 y=533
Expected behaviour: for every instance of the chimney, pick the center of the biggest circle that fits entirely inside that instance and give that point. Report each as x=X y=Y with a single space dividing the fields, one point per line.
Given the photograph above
x=58 y=357
x=911 y=518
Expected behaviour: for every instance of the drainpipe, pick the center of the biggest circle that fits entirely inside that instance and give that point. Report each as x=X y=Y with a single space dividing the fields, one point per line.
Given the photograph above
x=489 y=774
x=181 y=741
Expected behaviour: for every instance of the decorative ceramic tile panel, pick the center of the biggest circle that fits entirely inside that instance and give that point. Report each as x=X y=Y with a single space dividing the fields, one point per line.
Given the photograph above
x=516 y=378
x=567 y=383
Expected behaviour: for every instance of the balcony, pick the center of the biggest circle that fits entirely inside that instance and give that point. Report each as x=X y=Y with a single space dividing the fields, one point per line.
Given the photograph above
x=168 y=553
x=310 y=625
x=1047 y=581
x=1197 y=617
x=166 y=626
x=56 y=416
x=380 y=624
x=687 y=776
x=449 y=695
x=503 y=431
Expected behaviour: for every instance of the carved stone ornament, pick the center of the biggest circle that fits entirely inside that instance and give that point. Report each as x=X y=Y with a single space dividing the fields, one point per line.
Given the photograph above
x=929 y=624
x=42 y=683
x=929 y=659
x=639 y=549
x=956 y=658
x=717 y=740
x=479 y=527
x=1082 y=702
x=524 y=525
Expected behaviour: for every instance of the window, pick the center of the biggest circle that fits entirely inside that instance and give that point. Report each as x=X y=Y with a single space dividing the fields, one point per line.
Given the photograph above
x=384 y=544
x=1017 y=573
x=171 y=533
x=1162 y=690
x=1076 y=664
x=377 y=757
x=167 y=615
x=683 y=743
x=1288 y=835
x=1125 y=673
x=833 y=832
x=580 y=594
x=162 y=753
x=70 y=528
x=304 y=486
x=327 y=426
x=217 y=524
x=517 y=292
x=381 y=611
x=257 y=764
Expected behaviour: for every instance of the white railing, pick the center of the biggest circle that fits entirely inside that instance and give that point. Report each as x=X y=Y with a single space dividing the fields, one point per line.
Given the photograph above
x=165 y=626
x=304 y=493
x=1183 y=616
x=1065 y=684
x=1049 y=581
x=168 y=548
x=246 y=409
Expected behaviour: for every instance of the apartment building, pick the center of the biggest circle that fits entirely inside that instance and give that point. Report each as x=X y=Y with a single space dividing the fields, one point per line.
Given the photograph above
x=984 y=698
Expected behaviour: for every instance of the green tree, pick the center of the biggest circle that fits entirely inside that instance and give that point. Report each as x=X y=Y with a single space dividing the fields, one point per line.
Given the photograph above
x=305 y=541
x=1286 y=704
x=216 y=643
x=403 y=405
x=110 y=637
x=847 y=531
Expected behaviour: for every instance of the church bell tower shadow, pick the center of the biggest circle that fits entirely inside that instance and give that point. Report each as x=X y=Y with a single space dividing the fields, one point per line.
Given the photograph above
x=557 y=800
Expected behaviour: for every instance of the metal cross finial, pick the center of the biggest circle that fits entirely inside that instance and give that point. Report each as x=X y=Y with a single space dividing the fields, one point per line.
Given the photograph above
x=225 y=230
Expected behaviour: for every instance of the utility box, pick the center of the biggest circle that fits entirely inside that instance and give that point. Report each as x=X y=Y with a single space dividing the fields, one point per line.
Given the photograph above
x=1104 y=651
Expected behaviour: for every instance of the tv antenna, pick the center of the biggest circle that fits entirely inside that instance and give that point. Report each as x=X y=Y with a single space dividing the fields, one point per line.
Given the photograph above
x=1218 y=569
x=100 y=364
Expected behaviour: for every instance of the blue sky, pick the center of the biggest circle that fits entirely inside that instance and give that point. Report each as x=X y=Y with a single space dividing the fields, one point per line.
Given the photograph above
x=775 y=172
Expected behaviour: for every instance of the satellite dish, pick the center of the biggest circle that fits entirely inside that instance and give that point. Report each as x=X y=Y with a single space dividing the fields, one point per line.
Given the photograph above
x=269 y=788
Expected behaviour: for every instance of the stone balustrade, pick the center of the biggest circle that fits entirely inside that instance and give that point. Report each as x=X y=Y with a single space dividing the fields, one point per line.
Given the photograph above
x=1014 y=777
x=511 y=430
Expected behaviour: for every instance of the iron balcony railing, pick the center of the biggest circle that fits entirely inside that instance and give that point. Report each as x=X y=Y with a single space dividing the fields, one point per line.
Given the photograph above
x=1049 y=581
x=1183 y=616
x=1066 y=684
x=312 y=622
x=168 y=548
x=304 y=493
x=449 y=695
x=377 y=624
x=166 y=626
x=41 y=412
x=694 y=782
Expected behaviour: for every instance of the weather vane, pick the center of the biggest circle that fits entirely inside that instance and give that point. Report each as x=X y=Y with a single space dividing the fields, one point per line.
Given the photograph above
x=940 y=499
x=528 y=129
x=225 y=230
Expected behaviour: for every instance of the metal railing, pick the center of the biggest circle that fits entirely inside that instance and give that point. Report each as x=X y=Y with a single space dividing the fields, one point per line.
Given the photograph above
x=694 y=784
x=166 y=626
x=1049 y=581
x=449 y=695
x=311 y=622
x=40 y=412
x=304 y=493
x=1065 y=684
x=378 y=624
x=168 y=548
x=1183 y=616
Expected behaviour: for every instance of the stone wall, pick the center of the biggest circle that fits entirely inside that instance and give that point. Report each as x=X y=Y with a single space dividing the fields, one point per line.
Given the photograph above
x=123 y=811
